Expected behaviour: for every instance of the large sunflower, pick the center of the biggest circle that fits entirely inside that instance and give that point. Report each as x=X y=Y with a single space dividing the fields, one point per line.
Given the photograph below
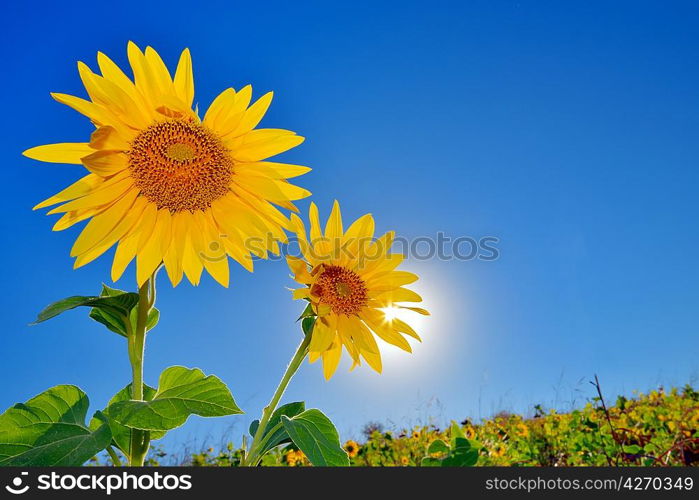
x=351 y=281
x=165 y=185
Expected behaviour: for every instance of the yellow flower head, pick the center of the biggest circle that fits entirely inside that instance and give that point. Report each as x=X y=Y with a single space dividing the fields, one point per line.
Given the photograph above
x=351 y=281
x=522 y=430
x=163 y=184
x=352 y=448
x=498 y=450
x=470 y=432
x=404 y=460
x=291 y=458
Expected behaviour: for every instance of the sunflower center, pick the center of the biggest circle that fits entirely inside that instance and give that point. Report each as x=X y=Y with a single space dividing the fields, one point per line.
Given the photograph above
x=180 y=165
x=341 y=289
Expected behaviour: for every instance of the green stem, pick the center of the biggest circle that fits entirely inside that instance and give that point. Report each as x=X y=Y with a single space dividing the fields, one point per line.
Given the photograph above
x=252 y=458
x=114 y=456
x=140 y=440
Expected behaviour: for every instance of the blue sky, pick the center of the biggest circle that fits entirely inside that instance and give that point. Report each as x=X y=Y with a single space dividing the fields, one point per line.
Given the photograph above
x=566 y=130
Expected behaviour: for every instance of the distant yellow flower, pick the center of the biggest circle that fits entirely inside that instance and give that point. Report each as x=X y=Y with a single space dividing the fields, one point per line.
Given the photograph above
x=416 y=434
x=352 y=448
x=470 y=432
x=522 y=430
x=404 y=460
x=165 y=185
x=294 y=457
x=351 y=281
x=498 y=450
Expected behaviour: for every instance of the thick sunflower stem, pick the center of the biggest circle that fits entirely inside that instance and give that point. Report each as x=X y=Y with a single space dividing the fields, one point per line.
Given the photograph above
x=253 y=457
x=140 y=440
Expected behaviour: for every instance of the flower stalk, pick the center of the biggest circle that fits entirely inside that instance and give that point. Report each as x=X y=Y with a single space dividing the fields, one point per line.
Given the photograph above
x=140 y=439
x=253 y=457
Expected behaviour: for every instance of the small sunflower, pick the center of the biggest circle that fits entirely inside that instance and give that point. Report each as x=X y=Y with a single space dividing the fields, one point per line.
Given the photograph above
x=352 y=448
x=404 y=461
x=163 y=184
x=522 y=430
x=470 y=432
x=351 y=280
x=498 y=450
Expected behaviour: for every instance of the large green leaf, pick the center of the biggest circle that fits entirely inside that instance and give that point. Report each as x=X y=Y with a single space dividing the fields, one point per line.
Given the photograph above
x=462 y=454
x=119 y=304
x=50 y=430
x=275 y=433
x=121 y=435
x=317 y=437
x=113 y=308
x=181 y=392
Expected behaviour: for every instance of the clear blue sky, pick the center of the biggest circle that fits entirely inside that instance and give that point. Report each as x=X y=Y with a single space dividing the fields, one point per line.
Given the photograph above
x=566 y=129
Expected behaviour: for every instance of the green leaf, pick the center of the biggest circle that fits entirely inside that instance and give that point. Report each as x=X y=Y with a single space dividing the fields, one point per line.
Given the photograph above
x=431 y=462
x=307 y=325
x=317 y=437
x=121 y=435
x=308 y=312
x=438 y=446
x=50 y=430
x=116 y=302
x=153 y=318
x=633 y=449
x=275 y=433
x=461 y=458
x=456 y=432
x=182 y=392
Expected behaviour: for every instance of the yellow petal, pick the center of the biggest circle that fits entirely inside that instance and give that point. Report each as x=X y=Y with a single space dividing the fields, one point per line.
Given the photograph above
x=391 y=280
x=399 y=295
x=108 y=137
x=161 y=76
x=127 y=222
x=315 y=223
x=191 y=262
x=261 y=144
x=300 y=269
x=125 y=252
x=106 y=163
x=333 y=227
x=322 y=336
x=230 y=117
x=70 y=218
x=112 y=97
x=418 y=310
x=404 y=327
x=105 y=193
x=270 y=189
x=301 y=293
x=114 y=74
x=151 y=255
x=184 y=78
x=376 y=320
x=97 y=114
x=142 y=74
x=100 y=225
x=67 y=152
x=253 y=115
x=213 y=255
x=271 y=169
x=331 y=358
x=218 y=108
